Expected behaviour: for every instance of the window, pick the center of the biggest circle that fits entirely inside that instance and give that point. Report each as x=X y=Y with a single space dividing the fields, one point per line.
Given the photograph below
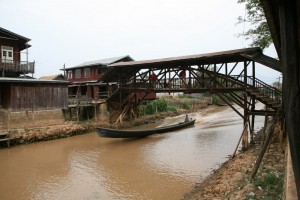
x=87 y=72
x=7 y=54
x=70 y=74
x=78 y=73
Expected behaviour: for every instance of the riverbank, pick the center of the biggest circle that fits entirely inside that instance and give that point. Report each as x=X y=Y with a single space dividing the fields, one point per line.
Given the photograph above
x=63 y=129
x=71 y=128
x=233 y=179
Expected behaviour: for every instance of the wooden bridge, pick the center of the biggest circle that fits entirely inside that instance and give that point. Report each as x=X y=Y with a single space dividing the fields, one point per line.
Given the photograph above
x=229 y=74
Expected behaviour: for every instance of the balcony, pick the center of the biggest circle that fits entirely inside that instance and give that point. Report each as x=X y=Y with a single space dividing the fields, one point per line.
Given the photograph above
x=16 y=67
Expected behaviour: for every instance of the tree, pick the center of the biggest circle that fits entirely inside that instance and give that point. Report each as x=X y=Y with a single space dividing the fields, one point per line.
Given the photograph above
x=255 y=16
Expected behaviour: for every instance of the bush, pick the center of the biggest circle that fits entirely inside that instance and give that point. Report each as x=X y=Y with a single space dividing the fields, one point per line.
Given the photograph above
x=157 y=106
x=185 y=106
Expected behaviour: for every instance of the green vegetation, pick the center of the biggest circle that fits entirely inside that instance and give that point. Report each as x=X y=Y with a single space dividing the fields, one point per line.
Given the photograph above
x=215 y=99
x=255 y=16
x=272 y=185
x=157 y=106
x=174 y=104
x=185 y=106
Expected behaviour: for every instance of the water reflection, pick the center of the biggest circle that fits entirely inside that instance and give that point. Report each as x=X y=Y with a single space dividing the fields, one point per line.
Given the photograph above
x=162 y=166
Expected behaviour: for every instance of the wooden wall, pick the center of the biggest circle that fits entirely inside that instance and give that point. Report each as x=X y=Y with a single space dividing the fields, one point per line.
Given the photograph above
x=37 y=96
x=289 y=13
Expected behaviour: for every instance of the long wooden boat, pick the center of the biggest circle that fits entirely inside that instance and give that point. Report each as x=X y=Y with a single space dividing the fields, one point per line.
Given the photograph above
x=114 y=133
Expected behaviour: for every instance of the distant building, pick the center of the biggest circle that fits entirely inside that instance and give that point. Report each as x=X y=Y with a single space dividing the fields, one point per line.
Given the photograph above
x=84 y=78
x=53 y=77
x=12 y=45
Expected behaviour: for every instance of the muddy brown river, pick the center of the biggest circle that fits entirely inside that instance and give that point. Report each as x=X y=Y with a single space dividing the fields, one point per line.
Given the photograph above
x=161 y=166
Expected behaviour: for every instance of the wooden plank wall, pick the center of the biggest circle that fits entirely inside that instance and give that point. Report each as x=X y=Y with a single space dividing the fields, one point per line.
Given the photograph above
x=37 y=97
x=289 y=13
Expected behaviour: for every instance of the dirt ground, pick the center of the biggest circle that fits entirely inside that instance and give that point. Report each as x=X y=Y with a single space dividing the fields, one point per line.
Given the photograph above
x=233 y=179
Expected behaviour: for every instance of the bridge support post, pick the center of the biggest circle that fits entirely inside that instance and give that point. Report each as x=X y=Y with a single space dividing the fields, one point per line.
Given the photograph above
x=253 y=104
x=252 y=121
x=245 y=137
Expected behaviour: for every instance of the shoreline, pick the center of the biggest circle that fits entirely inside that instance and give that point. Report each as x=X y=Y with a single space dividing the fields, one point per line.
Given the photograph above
x=72 y=128
x=232 y=180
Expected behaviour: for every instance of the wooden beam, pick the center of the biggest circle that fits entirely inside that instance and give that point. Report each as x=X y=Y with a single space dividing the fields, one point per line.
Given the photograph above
x=219 y=95
x=290 y=54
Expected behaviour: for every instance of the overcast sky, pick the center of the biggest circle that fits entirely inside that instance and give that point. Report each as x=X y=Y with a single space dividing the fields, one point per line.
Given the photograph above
x=75 y=31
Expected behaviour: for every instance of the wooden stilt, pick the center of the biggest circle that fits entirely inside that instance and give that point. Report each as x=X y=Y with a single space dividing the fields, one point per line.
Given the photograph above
x=245 y=138
x=263 y=151
x=95 y=112
x=77 y=111
x=70 y=111
x=265 y=127
x=264 y=147
x=237 y=146
x=27 y=118
x=252 y=121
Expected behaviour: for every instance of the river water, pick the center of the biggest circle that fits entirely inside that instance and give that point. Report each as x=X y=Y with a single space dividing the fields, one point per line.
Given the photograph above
x=162 y=166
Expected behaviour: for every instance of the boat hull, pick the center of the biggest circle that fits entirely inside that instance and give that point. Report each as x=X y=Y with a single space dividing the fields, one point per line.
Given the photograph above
x=113 y=133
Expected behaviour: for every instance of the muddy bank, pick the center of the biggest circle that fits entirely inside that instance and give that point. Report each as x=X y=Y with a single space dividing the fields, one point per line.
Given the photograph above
x=70 y=128
x=233 y=179
x=24 y=132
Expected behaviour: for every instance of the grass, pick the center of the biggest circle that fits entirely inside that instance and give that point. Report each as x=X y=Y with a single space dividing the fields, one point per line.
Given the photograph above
x=272 y=185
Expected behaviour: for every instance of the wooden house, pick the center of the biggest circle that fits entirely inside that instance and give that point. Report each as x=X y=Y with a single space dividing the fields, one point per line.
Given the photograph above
x=21 y=95
x=84 y=78
x=12 y=45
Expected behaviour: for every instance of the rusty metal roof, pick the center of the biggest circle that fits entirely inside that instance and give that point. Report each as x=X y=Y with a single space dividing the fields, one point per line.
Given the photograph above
x=237 y=55
x=216 y=57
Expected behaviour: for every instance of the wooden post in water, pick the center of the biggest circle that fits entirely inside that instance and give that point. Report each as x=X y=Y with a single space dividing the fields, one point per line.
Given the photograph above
x=95 y=115
x=237 y=146
x=245 y=135
x=70 y=111
x=77 y=110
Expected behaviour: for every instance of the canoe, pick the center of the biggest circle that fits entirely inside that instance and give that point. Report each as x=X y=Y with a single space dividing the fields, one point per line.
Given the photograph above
x=114 y=133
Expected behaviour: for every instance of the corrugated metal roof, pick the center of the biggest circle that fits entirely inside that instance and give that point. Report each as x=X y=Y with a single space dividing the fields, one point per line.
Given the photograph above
x=25 y=80
x=208 y=57
x=104 y=62
x=236 y=55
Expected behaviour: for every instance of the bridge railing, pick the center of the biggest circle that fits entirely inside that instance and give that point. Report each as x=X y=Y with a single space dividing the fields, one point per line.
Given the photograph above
x=265 y=89
x=219 y=81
